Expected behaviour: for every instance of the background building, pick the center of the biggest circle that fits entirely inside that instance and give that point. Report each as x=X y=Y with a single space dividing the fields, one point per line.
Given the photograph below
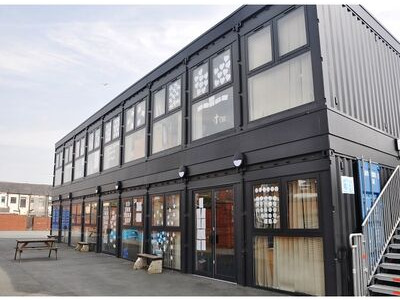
x=25 y=198
x=239 y=157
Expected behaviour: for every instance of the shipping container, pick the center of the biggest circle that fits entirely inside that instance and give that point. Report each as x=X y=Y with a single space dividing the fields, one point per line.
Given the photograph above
x=236 y=159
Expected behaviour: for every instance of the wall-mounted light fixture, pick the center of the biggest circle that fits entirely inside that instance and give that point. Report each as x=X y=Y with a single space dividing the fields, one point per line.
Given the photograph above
x=238 y=159
x=182 y=172
x=118 y=185
x=70 y=196
x=98 y=190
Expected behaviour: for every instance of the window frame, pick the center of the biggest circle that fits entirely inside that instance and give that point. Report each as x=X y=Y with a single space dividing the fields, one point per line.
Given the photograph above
x=109 y=119
x=167 y=113
x=164 y=227
x=212 y=92
x=78 y=155
x=284 y=229
x=59 y=155
x=68 y=159
x=89 y=151
x=247 y=52
x=276 y=60
x=284 y=14
x=126 y=133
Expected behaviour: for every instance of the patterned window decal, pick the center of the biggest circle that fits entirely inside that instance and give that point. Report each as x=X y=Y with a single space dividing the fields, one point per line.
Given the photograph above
x=266 y=205
x=174 y=95
x=222 y=69
x=200 y=80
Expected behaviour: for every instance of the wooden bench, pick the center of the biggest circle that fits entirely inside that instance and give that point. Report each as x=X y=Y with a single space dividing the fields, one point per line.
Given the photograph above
x=82 y=246
x=142 y=262
x=38 y=244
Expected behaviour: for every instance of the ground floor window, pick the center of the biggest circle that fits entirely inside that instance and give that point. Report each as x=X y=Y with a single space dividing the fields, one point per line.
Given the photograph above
x=55 y=216
x=289 y=263
x=109 y=226
x=90 y=223
x=65 y=222
x=132 y=227
x=165 y=236
x=168 y=245
x=76 y=223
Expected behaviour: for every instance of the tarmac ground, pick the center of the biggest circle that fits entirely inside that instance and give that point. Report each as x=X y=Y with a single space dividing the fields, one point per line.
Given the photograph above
x=97 y=274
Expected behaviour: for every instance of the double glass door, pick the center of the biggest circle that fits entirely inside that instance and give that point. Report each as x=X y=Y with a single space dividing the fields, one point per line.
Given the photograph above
x=109 y=227
x=214 y=234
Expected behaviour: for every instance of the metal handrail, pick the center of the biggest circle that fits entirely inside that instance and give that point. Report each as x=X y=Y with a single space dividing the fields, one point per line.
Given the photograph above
x=377 y=230
x=380 y=196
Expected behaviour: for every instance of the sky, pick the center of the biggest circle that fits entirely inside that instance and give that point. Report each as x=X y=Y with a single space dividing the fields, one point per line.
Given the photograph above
x=60 y=64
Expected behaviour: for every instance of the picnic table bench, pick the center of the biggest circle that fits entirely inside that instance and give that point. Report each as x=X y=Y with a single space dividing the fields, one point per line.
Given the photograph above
x=35 y=244
x=142 y=262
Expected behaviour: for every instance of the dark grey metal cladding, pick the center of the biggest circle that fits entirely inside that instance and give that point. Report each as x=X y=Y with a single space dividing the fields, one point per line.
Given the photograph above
x=361 y=66
x=354 y=138
x=292 y=137
x=226 y=25
x=345 y=217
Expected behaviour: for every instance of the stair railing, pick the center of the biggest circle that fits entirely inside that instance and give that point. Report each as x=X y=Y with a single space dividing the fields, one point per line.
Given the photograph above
x=378 y=227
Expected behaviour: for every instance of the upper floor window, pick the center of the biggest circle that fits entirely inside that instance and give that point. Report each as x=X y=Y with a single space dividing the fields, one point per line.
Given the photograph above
x=68 y=155
x=135 y=132
x=277 y=86
x=111 y=143
x=93 y=158
x=284 y=86
x=167 y=127
x=259 y=47
x=212 y=109
x=58 y=168
x=79 y=165
x=292 y=31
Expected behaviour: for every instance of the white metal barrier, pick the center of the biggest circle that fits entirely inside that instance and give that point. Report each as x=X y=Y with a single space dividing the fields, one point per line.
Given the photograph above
x=378 y=227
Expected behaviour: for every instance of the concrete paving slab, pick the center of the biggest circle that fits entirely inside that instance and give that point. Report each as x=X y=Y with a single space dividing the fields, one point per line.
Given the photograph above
x=97 y=274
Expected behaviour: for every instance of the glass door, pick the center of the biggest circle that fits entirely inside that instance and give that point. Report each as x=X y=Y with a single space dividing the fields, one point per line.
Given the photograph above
x=214 y=234
x=109 y=228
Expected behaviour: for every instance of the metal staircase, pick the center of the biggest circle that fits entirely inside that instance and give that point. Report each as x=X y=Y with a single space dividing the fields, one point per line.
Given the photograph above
x=376 y=251
x=386 y=280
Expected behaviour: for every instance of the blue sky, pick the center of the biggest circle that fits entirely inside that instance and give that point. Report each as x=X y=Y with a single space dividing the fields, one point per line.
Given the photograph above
x=60 y=64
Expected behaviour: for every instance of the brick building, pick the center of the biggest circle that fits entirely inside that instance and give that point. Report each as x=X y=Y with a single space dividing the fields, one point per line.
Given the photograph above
x=25 y=198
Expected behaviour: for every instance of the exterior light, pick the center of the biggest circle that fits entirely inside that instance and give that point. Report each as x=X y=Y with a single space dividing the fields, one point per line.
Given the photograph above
x=70 y=196
x=118 y=185
x=182 y=171
x=238 y=159
x=98 y=189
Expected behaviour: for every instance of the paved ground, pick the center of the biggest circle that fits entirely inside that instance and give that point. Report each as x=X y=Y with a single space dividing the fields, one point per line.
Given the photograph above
x=94 y=274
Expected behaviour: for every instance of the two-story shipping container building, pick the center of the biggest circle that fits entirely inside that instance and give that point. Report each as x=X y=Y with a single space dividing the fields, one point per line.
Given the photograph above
x=231 y=158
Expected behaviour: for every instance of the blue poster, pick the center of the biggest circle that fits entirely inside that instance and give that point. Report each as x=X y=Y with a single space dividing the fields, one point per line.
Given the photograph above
x=55 y=218
x=65 y=219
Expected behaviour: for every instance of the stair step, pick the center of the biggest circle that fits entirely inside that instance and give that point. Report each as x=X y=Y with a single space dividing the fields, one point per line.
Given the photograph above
x=390 y=266
x=394 y=246
x=392 y=255
x=385 y=289
x=396 y=236
x=387 y=277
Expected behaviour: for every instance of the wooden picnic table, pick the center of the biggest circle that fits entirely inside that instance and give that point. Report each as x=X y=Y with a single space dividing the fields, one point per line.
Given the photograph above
x=35 y=244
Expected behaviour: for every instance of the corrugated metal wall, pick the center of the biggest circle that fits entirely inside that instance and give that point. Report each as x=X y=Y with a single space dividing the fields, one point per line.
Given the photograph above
x=361 y=71
x=347 y=216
